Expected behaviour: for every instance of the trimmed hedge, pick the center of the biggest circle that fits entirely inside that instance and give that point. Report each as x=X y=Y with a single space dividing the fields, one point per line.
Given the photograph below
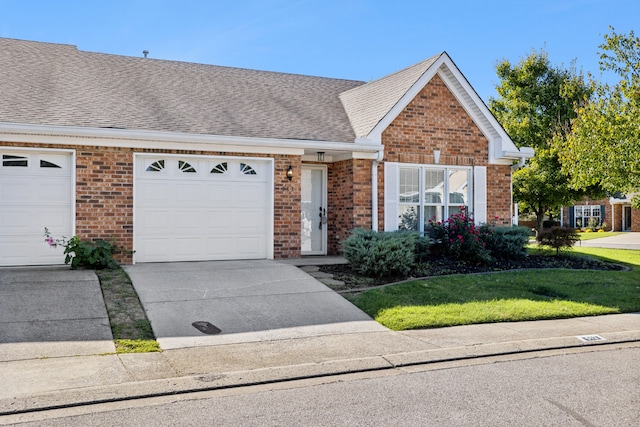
x=378 y=254
x=507 y=242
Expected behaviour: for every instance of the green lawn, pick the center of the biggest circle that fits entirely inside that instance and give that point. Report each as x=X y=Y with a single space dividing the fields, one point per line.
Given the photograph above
x=508 y=296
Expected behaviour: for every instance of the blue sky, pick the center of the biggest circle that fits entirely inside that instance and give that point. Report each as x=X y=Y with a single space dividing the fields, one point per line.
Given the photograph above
x=350 y=39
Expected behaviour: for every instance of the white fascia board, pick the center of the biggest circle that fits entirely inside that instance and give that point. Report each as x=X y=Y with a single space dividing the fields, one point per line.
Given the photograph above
x=625 y=201
x=69 y=135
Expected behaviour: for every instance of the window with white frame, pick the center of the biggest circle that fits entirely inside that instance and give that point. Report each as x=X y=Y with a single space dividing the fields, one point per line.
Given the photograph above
x=587 y=216
x=431 y=193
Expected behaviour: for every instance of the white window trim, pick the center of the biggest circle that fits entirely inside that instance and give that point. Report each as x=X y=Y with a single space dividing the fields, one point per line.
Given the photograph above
x=476 y=188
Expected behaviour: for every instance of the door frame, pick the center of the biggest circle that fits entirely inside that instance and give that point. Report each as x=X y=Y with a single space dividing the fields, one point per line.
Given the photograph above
x=626 y=218
x=324 y=234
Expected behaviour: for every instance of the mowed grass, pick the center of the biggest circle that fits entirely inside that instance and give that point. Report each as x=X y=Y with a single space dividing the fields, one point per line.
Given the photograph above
x=508 y=296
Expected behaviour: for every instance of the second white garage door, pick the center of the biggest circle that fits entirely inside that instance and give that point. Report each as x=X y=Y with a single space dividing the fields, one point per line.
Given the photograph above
x=202 y=208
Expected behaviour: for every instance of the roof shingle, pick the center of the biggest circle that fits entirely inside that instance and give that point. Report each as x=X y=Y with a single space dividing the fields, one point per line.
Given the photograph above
x=54 y=84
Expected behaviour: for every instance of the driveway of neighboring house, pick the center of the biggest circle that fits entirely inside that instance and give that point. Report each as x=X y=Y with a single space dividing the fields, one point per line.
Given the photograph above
x=223 y=302
x=621 y=241
x=52 y=312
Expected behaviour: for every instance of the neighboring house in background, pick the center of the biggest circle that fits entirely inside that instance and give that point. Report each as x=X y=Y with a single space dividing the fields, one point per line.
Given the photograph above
x=184 y=162
x=615 y=212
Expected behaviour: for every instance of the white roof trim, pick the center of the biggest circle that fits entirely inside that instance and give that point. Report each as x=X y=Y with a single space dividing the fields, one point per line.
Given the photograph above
x=70 y=135
x=501 y=147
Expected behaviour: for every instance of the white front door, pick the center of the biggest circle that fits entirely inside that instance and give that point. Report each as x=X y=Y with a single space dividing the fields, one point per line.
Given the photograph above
x=314 y=210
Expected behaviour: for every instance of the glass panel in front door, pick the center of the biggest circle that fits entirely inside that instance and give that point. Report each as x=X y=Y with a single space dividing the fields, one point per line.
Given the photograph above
x=313 y=211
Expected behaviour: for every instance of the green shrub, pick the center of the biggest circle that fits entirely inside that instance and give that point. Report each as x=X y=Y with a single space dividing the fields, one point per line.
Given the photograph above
x=506 y=242
x=422 y=243
x=379 y=254
x=96 y=255
x=558 y=238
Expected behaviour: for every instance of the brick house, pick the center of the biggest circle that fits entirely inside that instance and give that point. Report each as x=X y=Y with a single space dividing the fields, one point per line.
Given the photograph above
x=183 y=162
x=616 y=213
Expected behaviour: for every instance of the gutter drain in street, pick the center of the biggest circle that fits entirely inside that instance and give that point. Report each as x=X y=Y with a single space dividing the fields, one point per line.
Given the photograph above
x=206 y=327
x=591 y=338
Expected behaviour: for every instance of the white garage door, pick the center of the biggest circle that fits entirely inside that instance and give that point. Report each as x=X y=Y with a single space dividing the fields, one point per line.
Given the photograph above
x=202 y=208
x=35 y=192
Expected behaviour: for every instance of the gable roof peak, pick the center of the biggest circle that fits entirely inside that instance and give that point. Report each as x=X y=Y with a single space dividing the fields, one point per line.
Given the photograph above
x=368 y=104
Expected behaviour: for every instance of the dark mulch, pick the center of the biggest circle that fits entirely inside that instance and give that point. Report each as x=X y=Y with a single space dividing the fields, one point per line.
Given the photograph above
x=444 y=266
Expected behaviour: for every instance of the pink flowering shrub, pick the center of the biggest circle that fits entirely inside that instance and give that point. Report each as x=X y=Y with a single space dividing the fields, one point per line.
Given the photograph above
x=458 y=237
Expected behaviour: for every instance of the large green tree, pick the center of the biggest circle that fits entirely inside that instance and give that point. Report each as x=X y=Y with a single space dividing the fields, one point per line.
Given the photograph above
x=536 y=104
x=604 y=147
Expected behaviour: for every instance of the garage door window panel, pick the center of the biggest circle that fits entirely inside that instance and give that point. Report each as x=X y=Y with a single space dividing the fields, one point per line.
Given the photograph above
x=247 y=169
x=14 y=161
x=220 y=168
x=185 y=167
x=156 y=166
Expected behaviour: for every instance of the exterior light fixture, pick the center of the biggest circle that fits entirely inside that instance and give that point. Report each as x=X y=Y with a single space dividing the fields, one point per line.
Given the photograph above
x=436 y=156
x=290 y=173
x=321 y=156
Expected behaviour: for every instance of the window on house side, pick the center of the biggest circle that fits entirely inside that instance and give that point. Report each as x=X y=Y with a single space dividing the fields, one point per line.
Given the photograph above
x=587 y=216
x=422 y=191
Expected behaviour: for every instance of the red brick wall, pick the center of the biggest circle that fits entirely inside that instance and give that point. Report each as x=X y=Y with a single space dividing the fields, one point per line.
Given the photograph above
x=287 y=209
x=498 y=194
x=340 y=201
x=349 y=200
x=104 y=196
x=435 y=120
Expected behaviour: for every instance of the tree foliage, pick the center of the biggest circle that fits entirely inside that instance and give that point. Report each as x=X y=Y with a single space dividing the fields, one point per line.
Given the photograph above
x=604 y=147
x=536 y=105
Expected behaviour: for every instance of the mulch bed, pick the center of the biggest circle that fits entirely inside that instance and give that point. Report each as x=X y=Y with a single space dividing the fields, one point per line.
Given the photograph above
x=444 y=266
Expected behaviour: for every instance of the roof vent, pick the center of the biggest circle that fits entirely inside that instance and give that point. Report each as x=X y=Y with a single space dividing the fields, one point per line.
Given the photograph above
x=145 y=53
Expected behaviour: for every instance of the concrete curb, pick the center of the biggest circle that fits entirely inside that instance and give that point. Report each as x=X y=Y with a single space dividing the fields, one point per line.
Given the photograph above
x=208 y=381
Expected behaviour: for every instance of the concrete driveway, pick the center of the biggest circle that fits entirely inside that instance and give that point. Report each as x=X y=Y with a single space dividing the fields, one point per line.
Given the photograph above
x=224 y=302
x=621 y=241
x=52 y=312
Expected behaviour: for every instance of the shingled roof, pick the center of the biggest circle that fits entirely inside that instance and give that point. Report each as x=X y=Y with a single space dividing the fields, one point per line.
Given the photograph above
x=367 y=104
x=53 y=84
x=57 y=84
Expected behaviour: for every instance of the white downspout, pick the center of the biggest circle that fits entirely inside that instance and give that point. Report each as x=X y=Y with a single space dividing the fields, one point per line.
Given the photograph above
x=374 y=190
x=514 y=206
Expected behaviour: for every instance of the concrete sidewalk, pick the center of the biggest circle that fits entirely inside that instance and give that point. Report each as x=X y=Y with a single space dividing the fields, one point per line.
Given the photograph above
x=56 y=382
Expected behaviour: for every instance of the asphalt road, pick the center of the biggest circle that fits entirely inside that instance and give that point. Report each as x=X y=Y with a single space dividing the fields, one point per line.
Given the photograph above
x=589 y=387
